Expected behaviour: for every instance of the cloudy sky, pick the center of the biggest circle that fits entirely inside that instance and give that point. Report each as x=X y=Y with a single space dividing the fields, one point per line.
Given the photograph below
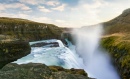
x=64 y=13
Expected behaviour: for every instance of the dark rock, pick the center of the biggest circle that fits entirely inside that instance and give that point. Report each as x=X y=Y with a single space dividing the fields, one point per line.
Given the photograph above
x=35 y=71
x=28 y=71
x=64 y=75
x=44 y=44
x=11 y=51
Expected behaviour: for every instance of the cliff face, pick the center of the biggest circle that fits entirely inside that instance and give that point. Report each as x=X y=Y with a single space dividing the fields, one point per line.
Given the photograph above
x=22 y=29
x=11 y=51
x=38 y=71
x=13 y=34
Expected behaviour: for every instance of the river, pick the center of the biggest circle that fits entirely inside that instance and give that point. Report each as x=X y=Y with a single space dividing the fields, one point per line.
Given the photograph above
x=85 y=55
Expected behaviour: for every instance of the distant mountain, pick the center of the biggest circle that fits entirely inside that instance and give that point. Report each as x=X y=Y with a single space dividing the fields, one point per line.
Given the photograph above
x=120 y=24
x=22 y=29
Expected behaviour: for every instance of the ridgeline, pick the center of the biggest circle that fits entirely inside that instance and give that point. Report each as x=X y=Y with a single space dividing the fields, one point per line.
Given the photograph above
x=120 y=24
x=22 y=29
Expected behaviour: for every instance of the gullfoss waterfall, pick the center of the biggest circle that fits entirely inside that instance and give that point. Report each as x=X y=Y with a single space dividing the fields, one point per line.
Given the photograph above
x=85 y=55
x=59 y=56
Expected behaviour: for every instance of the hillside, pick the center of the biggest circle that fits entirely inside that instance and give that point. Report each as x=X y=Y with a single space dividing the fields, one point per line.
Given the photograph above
x=22 y=29
x=116 y=41
x=120 y=24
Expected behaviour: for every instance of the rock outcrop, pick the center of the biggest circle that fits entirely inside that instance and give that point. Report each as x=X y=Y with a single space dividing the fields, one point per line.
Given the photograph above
x=15 y=34
x=37 y=71
x=13 y=50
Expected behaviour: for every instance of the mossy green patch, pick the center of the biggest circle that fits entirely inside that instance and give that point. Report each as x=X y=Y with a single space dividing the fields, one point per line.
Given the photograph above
x=70 y=71
x=119 y=49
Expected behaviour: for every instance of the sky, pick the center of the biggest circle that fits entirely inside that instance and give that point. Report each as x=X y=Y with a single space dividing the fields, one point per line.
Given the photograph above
x=64 y=13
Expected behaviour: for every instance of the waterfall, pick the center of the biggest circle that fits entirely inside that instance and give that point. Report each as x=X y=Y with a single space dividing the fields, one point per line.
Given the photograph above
x=59 y=56
x=85 y=55
x=96 y=61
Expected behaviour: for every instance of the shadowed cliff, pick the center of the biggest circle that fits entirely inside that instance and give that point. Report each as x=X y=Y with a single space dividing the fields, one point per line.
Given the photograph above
x=13 y=50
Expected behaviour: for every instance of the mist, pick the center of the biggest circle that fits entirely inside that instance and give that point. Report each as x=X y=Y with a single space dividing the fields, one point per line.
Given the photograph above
x=97 y=62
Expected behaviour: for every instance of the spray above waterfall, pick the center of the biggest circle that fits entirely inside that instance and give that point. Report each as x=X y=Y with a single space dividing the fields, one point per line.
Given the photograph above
x=85 y=55
x=96 y=61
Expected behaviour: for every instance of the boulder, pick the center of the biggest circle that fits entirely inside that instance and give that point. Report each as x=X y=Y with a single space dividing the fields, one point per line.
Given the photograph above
x=35 y=71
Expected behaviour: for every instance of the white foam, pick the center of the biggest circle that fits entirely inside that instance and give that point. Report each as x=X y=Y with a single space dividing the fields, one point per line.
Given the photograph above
x=60 y=56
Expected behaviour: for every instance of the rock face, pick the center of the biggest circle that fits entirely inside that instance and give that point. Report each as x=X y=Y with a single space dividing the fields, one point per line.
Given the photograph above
x=18 y=31
x=11 y=51
x=27 y=30
x=35 y=71
x=44 y=44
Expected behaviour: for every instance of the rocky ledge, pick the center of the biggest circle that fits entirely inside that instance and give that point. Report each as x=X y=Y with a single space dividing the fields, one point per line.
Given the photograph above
x=44 y=44
x=13 y=50
x=40 y=71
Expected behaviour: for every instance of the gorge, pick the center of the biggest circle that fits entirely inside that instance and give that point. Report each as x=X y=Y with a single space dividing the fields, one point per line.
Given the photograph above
x=102 y=50
x=85 y=55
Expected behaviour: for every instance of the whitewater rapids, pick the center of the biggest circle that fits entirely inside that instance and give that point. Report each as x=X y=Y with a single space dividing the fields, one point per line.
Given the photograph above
x=59 y=56
x=86 y=55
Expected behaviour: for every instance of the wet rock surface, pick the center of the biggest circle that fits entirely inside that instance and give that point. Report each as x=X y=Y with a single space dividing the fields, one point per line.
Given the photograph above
x=44 y=44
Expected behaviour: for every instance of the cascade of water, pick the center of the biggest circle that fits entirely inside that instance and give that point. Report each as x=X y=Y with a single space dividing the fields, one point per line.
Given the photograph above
x=85 y=55
x=60 y=56
x=96 y=61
